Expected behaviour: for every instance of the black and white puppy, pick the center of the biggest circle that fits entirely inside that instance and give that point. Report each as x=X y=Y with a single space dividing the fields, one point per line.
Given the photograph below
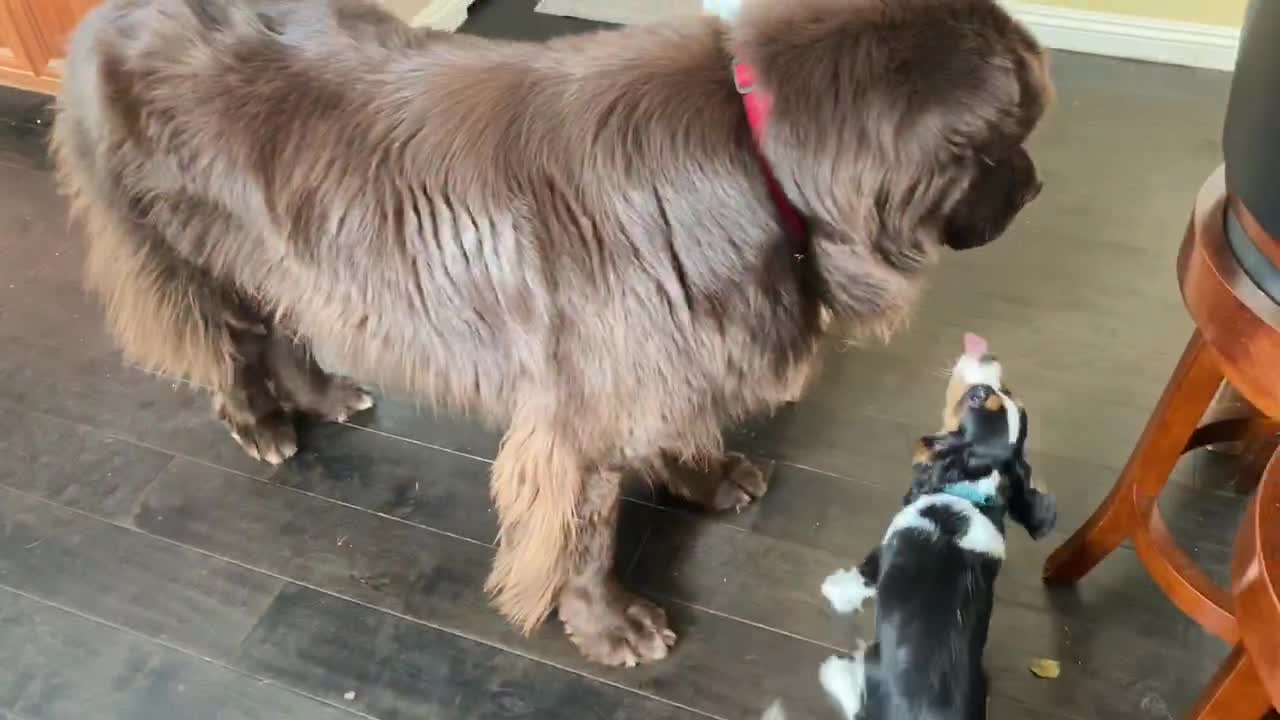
x=935 y=571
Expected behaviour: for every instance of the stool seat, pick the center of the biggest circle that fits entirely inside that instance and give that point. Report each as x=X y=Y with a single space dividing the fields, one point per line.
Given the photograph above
x=1215 y=287
x=1257 y=252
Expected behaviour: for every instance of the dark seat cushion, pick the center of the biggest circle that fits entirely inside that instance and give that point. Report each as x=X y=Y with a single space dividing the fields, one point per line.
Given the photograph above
x=1251 y=142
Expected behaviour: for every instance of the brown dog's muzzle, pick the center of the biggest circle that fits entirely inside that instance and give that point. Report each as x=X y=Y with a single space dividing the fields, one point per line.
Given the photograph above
x=1001 y=190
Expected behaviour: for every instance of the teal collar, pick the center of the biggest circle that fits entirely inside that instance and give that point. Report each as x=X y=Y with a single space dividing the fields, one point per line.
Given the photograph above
x=967 y=491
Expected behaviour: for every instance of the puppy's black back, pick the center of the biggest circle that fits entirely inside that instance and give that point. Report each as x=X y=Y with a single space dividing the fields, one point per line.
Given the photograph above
x=934 y=610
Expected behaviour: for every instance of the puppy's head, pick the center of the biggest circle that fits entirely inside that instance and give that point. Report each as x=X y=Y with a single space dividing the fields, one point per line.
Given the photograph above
x=899 y=124
x=982 y=443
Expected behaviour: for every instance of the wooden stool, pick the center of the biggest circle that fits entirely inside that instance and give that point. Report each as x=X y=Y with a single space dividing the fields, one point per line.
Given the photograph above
x=1237 y=339
x=1247 y=684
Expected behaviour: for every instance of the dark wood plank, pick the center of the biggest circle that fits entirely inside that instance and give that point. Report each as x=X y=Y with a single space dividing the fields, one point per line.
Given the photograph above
x=58 y=665
x=400 y=417
x=95 y=389
x=304 y=639
x=105 y=571
x=397 y=668
x=74 y=465
x=437 y=579
x=442 y=490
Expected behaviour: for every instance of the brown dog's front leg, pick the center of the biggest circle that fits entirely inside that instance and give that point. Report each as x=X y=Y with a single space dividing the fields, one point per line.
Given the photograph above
x=608 y=624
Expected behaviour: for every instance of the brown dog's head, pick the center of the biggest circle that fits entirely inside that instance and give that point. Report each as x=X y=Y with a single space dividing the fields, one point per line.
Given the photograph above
x=899 y=125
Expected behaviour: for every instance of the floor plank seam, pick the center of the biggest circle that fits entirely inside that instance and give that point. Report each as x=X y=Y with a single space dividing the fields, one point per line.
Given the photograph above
x=635 y=557
x=267 y=479
x=1108 y=468
x=368 y=605
x=761 y=626
x=687 y=513
x=178 y=648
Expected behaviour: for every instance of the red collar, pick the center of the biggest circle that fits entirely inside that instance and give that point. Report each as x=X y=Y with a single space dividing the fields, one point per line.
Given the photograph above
x=759 y=104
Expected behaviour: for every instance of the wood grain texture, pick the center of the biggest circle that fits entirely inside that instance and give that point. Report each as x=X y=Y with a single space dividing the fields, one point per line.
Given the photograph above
x=408 y=670
x=59 y=665
x=437 y=578
x=105 y=571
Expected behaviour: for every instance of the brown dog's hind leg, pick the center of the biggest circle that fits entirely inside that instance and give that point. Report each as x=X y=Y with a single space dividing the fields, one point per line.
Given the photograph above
x=302 y=385
x=608 y=624
x=721 y=482
x=244 y=400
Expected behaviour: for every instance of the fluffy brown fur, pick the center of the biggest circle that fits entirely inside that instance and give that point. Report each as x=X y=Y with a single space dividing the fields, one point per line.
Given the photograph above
x=572 y=238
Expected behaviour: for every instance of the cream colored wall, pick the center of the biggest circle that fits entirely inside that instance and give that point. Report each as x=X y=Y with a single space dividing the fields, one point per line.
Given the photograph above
x=1207 y=12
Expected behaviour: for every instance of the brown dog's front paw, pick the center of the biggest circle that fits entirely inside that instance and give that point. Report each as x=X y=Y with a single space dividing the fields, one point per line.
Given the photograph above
x=619 y=629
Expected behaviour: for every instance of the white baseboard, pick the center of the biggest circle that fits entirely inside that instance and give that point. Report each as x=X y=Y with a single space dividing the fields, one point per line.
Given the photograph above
x=1127 y=36
x=445 y=15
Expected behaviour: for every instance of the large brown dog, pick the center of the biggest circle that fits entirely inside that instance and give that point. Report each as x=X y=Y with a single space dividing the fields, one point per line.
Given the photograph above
x=575 y=239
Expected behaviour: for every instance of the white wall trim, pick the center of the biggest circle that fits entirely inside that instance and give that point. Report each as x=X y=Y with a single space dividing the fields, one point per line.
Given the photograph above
x=1128 y=36
x=442 y=14
x=1097 y=33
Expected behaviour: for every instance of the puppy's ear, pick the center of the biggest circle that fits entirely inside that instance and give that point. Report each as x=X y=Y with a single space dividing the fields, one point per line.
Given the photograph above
x=935 y=462
x=1034 y=510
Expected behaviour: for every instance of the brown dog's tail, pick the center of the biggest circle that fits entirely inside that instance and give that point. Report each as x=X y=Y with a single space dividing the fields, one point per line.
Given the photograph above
x=166 y=313
x=538 y=481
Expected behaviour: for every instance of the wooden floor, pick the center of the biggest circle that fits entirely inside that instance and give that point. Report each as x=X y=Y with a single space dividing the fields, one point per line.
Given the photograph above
x=150 y=571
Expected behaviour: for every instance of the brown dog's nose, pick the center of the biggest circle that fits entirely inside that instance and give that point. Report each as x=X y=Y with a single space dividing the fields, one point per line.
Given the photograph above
x=1033 y=192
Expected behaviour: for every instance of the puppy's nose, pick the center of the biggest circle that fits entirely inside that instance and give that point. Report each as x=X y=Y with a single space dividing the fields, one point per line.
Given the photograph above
x=977 y=395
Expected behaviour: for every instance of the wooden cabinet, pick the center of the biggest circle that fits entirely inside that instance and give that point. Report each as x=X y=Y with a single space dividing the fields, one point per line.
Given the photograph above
x=33 y=34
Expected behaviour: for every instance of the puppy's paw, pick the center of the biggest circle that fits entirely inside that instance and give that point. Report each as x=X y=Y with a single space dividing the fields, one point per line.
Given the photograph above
x=847 y=590
x=844 y=677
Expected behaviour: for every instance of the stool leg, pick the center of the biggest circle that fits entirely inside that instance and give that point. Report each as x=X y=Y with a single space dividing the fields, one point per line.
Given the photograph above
x=1235 y=692
x=1186 y=396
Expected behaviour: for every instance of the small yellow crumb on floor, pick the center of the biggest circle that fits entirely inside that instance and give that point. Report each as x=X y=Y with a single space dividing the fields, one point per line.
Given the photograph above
x=1044 y=668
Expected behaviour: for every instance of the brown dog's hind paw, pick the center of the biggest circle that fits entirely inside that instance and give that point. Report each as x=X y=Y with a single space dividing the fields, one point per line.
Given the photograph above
x=271 y=439
x=741 y=482
x=623 y=630
x=726 y=482
x=344 y=399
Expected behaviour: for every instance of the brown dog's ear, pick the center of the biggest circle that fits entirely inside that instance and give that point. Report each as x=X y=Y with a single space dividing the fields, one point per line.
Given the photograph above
x=882 y=115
